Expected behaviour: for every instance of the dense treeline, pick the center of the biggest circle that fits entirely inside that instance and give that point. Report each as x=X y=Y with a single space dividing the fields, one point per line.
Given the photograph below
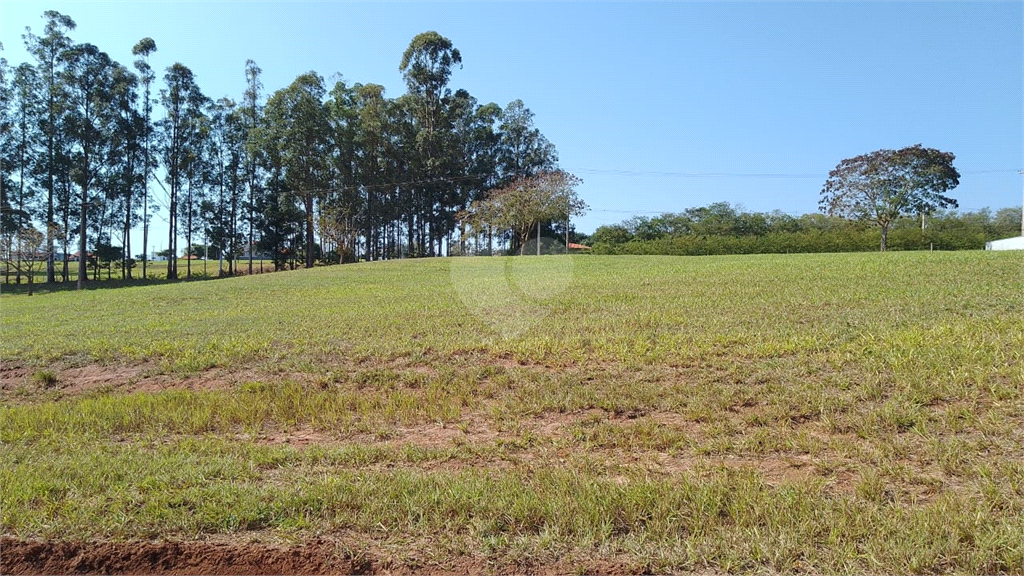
x=93 y=149
x=723 y=229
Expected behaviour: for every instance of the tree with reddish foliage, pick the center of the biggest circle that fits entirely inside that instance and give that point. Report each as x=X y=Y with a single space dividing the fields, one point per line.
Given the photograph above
x=527 y=202
x=885 y=185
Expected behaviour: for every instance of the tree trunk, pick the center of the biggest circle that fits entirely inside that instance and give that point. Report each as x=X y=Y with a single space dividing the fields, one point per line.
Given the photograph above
x=145 y=193
x=188 y=232
x=412 y=237
x=21 y=195
x=126 y=251
x=65 y=272
x=51 y=277
x=172 y=220
x=82 y=236
x=885 y=236
x=309 y=232
x=251 y=216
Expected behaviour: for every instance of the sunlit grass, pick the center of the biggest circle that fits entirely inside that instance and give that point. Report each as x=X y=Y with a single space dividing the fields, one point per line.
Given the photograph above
x=805 y=413
x=659 y=309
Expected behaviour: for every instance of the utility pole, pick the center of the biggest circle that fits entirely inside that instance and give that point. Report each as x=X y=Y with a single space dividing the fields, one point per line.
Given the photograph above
x=1021 y=172
x=567 y=210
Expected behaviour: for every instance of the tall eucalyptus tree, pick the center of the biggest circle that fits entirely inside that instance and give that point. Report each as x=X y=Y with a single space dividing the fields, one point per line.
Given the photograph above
x=10 y=221
x=343 y=209
x=371 y=142
x=183 y=102
x=89 y=79
x=127 y=158
x=251 y=112
x=20 y=129
x=226 y=155
x=524 y=150
x=143 y=48
x=48 y=50
x=426 y=67
x=198 y=174
x=297 y=129
x=479 y=146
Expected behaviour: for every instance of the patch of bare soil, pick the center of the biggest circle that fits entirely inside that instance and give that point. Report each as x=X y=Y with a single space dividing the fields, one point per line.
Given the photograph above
x=551 y=446
x=57 y=557
x=19 y=556
x=775 y=469
x=536 y=440
x=16 y=382
x=473 y=429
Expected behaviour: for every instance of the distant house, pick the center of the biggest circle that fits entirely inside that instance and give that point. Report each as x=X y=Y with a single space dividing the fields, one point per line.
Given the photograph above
x=573 y=246
x=1015 y=243
x=257 y=254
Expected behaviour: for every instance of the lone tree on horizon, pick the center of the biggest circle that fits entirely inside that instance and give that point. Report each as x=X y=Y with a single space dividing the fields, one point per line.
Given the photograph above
x=884 y=185
x=527 y=202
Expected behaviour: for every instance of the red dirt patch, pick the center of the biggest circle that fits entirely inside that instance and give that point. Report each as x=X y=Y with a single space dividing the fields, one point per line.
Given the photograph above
x=19 y=556
x=44 y=557
x=16 y=380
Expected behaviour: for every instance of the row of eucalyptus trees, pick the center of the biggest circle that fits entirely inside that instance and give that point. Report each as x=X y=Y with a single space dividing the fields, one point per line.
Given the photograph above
x=93 y=149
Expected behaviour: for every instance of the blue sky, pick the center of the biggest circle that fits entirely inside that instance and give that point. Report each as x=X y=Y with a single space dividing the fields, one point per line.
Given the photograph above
x=643 y=100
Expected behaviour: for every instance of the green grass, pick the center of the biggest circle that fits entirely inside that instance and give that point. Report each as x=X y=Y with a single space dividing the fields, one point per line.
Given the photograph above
x=799 y=413
x=635 y=310
x=44 y=378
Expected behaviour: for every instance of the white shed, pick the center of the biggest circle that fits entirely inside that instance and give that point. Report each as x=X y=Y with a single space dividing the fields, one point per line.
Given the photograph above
x=1016 y=243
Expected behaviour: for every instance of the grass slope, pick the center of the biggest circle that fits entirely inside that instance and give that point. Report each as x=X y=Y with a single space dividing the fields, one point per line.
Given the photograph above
x=797 y=413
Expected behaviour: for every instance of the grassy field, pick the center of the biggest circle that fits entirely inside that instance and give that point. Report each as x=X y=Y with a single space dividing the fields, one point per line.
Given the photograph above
x=855 y=413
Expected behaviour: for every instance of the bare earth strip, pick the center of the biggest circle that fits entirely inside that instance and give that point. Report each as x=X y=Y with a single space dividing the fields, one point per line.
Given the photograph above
x=553 y=435
x=321 y=556
x=16 y=380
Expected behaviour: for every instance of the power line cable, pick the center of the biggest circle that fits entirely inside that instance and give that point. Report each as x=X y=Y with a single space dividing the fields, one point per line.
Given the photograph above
x=614 y=172
x=753 y=175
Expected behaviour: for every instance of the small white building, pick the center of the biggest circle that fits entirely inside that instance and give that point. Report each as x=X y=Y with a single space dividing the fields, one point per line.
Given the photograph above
x=1016 y=243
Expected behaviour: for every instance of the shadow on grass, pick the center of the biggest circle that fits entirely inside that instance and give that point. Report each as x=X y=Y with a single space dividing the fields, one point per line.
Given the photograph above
x=72 y=285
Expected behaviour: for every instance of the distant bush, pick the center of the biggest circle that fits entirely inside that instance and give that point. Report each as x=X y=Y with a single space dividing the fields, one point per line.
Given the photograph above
x=721 y=229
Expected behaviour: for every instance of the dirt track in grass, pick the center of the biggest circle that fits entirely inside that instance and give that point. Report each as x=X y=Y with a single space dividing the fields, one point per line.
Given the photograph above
x=648 y=441
x=320 y=556
x=552 y=432
x=17 y=382
x=56 y=557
